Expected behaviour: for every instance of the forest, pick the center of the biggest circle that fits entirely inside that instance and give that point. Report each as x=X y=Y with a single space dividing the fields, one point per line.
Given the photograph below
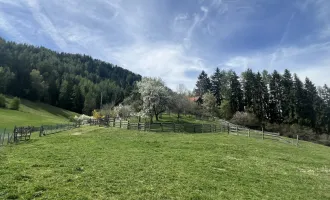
x=275 y=101
x=70 y=81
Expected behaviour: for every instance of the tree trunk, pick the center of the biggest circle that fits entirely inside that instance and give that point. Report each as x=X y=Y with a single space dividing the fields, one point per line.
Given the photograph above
x=157 y=117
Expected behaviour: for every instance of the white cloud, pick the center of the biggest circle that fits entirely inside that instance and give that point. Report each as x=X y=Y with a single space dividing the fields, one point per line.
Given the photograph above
x=149 y=38
x=311 y=61
x=168 y=62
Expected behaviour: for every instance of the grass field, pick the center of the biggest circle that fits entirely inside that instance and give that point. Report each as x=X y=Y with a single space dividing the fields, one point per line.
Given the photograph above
x=109 y=163
x=34 y=114
x=173 y=118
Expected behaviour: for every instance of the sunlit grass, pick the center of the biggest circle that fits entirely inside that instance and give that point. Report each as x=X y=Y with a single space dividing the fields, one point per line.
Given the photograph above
x=33 y=114
x=111 y=163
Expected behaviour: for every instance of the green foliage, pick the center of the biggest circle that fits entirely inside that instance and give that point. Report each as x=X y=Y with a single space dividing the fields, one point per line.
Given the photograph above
x=272 y=98
x=209 y=104
x=226 y=110
x=245 y=119
x=61 y=79
x=2 y=101
x=203 y=84
x=124 y=164
x=6 y=76
x=15 y=103
x=236 y=96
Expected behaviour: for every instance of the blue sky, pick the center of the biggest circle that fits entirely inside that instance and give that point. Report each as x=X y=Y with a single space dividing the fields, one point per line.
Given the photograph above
x=176 y=39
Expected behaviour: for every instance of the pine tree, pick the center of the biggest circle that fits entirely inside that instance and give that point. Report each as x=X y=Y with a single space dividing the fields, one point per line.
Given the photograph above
x=236 y=94
x=311 y=100
x=216 y=86
x=248 y=85
x=287 y=105
x=65 y=96
x=325 y=94
x=299 y=94
x=78 y=99
x=260 y=100
x=203 y=84
x=275 y=98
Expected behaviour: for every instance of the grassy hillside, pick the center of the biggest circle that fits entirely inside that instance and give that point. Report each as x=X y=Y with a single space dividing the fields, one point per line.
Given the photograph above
x=31 y=113
x=109 y=163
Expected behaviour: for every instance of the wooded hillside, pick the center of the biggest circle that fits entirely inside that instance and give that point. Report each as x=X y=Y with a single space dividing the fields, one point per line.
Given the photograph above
x=69 y=81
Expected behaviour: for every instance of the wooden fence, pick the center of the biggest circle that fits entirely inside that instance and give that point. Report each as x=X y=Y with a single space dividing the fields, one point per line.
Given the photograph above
x=51 y=129
x=241 y=130
x=6 y=137
x=22 y=133
x=222 y=126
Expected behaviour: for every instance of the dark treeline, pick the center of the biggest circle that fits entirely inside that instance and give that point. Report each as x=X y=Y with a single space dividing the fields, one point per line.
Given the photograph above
x=69 y=81
x=273 y=99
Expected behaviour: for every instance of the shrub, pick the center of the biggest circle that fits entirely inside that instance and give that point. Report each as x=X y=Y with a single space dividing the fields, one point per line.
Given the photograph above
x=2 y=101
x=15 y=103
x=245 y=119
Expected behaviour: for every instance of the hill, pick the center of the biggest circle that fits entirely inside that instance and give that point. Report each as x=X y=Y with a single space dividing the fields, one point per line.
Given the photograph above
x=70 y=81
x=110 y=163
x=34 y=114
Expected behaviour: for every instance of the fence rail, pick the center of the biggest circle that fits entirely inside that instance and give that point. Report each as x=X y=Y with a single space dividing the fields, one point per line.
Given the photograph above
x=24 y=133
x=222 y=126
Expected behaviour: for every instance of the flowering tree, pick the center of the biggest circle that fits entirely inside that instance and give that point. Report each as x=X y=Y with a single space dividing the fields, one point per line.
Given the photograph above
x=123 y=111
x=209 y=103
x=155 y=96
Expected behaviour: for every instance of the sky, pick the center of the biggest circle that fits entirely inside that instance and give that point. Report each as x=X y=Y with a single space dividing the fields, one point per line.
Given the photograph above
x=177 y=39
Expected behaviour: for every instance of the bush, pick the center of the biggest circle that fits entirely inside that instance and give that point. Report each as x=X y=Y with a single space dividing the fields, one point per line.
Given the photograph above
x=245 y=119
x=15 y=103
x=2 y=101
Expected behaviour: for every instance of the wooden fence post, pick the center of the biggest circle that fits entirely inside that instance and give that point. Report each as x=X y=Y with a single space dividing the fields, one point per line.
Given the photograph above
x=202 y=128
x=194 y=128
x=297 y=140
x=40 y=131
x=161 y=125
x=228 y=128
x=128 y=125
x=174 y=127
x=119 y=123
x=138 y=125
x=263 y=133
x=145 y=128
x=248 y=132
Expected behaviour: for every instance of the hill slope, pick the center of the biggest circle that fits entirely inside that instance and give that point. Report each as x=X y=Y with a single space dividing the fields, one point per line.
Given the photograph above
x=109 y=163
x=69 y=81
x=34 y=114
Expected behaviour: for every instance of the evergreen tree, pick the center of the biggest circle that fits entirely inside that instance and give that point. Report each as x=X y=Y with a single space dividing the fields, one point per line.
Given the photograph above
x=287 y=105
x=216 y=86
x=275 y=98
x=203 y=84
x=90 y=103
x=260 y=100
x=65 y=96
x=299 y=100
x=236 y=94
x=248 y=85
x=78 y=99
x=311 y=101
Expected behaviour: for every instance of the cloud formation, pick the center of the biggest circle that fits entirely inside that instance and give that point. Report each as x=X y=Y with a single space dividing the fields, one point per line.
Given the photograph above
x=175 y=40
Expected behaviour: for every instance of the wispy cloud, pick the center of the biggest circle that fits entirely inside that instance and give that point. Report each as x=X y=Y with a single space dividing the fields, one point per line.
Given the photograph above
x=175 y=40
